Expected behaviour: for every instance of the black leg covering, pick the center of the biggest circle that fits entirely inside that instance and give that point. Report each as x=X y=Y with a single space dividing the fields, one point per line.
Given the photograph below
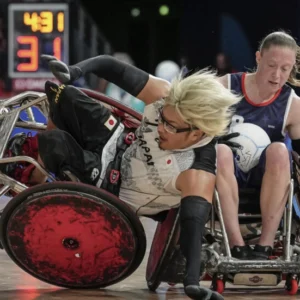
x=201 y=293
x=194 y=213
x=127 y=77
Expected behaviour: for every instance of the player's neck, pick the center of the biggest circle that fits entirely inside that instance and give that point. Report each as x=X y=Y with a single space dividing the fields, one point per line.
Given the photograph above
x=257 y=91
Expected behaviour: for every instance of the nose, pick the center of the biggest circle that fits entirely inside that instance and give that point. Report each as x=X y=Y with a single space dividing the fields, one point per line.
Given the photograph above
x=276 y=73
x=160 y=128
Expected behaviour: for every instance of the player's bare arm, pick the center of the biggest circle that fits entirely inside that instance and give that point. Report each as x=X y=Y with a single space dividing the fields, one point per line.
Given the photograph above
x=293 y=124
x=196 y=187
x=196 y=183
x=293 y=121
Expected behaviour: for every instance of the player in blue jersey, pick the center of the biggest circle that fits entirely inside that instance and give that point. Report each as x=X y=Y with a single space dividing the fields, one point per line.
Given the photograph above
x=273 y=105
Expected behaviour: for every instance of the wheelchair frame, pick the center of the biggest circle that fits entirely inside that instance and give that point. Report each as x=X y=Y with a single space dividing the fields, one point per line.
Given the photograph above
x=10 y=110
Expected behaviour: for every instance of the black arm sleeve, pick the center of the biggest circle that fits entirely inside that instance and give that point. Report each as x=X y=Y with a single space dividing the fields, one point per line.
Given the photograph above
x=206 y=158
x=126 y=76
x=296 y=145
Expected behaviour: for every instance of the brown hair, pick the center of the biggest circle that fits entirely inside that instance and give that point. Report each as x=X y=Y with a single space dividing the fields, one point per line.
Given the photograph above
x=283 y=39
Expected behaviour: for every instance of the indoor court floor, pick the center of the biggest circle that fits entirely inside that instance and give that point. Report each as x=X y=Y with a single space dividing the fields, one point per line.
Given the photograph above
x=15 y=284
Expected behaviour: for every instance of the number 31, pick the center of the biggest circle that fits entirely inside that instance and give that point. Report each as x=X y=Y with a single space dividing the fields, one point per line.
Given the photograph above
x=33 y=52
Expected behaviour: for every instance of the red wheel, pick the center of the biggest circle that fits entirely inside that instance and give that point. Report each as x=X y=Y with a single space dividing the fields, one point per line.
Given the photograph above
x=219 y=286
x=72 y=235
x=291 y=286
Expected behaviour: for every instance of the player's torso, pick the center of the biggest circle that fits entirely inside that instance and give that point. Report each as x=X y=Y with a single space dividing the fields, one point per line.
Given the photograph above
x=147 y=171
x=270 y=116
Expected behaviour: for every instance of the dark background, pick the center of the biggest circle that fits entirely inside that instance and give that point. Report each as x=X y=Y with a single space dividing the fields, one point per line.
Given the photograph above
x=192 y=29
x=192 y=34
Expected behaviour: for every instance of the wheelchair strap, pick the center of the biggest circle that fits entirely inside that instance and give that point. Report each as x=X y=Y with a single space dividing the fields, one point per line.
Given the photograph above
x=112 y=180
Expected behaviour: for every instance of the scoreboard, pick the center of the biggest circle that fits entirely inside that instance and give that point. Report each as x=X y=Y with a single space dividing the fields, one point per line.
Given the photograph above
x=35 y=29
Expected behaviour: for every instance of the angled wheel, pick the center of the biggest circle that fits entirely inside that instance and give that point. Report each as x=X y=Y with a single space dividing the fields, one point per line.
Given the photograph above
x=163 y=245
x=291 y=285
x=72 y=235
x=218 y=285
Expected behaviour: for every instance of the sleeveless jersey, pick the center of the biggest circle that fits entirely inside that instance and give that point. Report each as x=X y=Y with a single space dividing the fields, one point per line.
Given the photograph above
x=270 y=116
x=149 y=173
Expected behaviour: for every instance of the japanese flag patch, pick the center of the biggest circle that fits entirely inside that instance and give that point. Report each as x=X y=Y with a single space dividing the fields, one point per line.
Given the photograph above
x=110 y=123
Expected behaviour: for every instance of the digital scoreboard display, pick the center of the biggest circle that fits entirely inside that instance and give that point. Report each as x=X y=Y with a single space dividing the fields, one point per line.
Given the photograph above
x=36 y=29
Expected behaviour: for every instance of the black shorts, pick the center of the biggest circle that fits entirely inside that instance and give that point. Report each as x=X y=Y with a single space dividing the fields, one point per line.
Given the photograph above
x=84 y=127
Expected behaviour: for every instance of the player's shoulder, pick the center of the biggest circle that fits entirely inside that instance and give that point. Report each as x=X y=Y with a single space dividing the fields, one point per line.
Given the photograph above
x=294 y=111
x=295 y=100
x=227 y=79
x=224 y=80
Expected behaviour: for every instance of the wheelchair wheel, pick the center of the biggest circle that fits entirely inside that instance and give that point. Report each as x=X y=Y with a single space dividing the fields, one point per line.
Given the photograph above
x=291 y=284
x=163 y=245
x=72 y=235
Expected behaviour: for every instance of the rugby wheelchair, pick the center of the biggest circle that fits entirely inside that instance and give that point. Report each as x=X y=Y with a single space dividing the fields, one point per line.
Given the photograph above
x=74 y=235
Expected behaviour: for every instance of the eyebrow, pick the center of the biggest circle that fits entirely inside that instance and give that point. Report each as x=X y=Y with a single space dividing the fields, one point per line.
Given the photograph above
x=285 y=65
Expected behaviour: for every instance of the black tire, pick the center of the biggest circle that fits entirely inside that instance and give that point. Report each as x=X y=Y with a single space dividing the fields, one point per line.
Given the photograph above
x=52 y=196
x=169 y=230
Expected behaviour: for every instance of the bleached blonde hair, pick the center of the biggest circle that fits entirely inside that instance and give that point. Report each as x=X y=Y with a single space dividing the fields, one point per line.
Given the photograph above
x=203 y=102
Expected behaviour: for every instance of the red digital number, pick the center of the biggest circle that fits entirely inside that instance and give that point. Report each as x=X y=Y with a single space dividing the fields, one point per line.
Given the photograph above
x=33 y=52
x=57 y=48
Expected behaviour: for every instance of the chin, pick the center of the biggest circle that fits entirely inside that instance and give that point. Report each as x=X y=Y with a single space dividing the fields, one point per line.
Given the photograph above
x=163 y=146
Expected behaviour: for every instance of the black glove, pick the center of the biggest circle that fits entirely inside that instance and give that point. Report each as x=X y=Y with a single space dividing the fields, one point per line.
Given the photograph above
x=65 y=74
x=225 y=139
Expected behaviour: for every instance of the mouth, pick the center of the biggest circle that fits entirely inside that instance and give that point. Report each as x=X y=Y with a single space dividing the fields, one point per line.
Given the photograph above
x=274 y=83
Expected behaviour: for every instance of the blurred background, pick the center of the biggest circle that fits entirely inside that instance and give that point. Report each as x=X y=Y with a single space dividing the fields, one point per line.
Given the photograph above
x=158 y=36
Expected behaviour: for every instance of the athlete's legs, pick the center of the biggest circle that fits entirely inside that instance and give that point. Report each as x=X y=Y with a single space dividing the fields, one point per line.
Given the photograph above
x=271 y=176
x=274 y=190
x=227 y=188
x=85 y=127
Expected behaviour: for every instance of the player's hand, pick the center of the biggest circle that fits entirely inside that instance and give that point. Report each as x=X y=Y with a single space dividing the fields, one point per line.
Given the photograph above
x=225 y=139
x=59 y=69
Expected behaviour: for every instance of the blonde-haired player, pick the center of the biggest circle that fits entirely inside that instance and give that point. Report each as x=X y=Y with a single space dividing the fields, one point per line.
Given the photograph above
x=172 y=162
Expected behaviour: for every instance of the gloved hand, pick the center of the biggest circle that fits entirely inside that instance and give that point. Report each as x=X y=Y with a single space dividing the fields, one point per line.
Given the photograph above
x=65 y=74
x=225 y=139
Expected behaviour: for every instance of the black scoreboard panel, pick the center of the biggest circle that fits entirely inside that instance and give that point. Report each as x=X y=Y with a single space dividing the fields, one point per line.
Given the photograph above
x=36 y=29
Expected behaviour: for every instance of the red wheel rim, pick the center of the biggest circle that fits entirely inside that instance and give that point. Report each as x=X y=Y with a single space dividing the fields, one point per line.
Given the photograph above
x=71 y=240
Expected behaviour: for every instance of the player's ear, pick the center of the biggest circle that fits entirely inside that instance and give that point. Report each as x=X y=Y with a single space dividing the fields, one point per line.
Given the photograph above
x=197 y=134
x=257 y=56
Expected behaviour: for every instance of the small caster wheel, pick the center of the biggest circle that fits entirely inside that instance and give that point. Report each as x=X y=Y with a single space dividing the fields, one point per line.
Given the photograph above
x=291 y=286
x=218 y=285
